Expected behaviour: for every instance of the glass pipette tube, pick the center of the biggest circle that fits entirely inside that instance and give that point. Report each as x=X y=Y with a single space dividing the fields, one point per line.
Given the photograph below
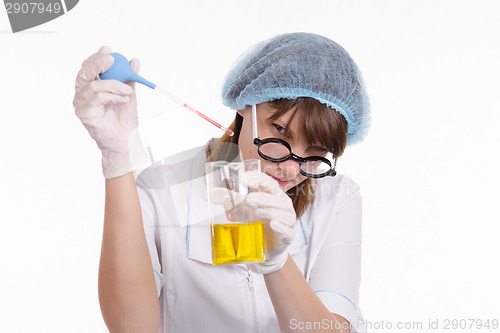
x=121 y=71
x=181 y=103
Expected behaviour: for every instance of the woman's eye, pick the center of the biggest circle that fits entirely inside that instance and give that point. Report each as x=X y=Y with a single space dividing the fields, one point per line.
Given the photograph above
x=318 y=151
x=280 y=129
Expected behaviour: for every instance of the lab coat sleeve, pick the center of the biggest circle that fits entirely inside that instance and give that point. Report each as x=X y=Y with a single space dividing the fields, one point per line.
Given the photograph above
x=149 y=219
x=336 y=274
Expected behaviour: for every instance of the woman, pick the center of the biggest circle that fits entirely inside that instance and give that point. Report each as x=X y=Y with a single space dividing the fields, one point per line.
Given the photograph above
x=155 y=271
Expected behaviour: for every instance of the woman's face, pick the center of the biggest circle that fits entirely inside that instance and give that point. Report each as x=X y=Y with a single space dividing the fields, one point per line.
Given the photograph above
x=286 y=173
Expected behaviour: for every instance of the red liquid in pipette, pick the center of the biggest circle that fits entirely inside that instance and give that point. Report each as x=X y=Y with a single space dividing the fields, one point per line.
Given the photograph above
x=228 y=131
x=178 y=101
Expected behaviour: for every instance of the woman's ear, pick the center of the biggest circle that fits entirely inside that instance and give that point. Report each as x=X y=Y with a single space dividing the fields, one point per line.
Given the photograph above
x=245 y=112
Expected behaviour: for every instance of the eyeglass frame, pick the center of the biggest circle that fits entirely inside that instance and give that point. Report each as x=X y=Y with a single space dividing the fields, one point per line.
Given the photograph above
x=301 y=160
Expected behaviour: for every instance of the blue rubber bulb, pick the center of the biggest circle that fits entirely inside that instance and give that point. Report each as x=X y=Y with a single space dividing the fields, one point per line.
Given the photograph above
x=122 y=72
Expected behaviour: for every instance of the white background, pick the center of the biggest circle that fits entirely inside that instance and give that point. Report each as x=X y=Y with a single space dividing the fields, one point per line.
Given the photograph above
x=429 y=169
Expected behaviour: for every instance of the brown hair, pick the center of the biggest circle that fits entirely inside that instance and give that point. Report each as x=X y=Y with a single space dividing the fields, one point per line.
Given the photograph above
x=319 y=125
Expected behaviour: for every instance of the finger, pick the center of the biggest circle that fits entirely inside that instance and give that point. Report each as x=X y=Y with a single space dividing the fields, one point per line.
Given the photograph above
x=89 y=113
x=221 y=195
x=275 y=214
x=104 y=49
x=262 y=182
x=94 y=65
x=284 y=232
x=104 y=86
x=263 y=200
x=107 y=98
x=98 y=100
x=95 y=108
x=85 y=95
x=135 y=64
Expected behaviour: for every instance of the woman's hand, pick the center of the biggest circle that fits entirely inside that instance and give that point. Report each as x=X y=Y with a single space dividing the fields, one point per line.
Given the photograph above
x=276 y=209
x=108 y=110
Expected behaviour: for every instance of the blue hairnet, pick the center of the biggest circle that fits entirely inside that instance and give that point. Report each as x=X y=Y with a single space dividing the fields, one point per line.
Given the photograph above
x=301 y=65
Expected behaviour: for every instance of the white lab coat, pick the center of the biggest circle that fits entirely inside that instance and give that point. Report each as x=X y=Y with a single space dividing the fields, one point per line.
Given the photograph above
x=196 y=296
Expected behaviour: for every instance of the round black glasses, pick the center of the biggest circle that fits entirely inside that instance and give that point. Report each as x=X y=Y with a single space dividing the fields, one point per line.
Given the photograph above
x=278 y=150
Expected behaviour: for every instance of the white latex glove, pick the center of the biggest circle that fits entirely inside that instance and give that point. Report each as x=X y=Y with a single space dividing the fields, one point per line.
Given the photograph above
x=275 y=207
x=108 y=110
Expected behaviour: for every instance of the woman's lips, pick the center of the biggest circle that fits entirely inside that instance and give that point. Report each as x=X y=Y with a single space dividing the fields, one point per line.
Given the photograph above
x=280 y=182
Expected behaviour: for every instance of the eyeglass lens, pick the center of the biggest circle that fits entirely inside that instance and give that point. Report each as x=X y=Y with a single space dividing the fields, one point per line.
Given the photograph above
x=275 y=151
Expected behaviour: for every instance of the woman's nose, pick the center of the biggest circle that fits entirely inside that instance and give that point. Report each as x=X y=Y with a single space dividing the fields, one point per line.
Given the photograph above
x=289 y=168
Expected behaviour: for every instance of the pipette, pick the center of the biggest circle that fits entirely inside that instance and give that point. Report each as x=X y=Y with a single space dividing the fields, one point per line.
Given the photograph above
x=122 y=72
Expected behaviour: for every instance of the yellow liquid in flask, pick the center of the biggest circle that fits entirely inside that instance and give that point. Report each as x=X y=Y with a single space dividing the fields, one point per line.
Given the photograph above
x=237 y=242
